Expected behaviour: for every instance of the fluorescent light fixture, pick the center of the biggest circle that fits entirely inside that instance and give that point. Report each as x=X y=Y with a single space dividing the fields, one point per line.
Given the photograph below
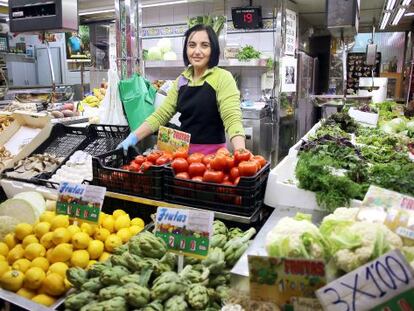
x=164 y=3
x=96 y=12
x=406 y=2
x=5 y=3
x=390 y=5
x=397 y=17
x=385 y=20
x=409 y=14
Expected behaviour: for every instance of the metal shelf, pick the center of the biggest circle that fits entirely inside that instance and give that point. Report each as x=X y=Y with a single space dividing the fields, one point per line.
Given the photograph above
x=178 y=64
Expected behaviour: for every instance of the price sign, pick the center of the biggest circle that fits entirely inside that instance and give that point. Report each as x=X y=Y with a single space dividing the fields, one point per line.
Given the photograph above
x=171 y=140
x=83 y=202
x=378 y=283
x=282 y=280
x=185 y=231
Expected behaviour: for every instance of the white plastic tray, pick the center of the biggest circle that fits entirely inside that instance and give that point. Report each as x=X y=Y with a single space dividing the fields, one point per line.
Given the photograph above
x=365 y=118
x=293 y=151
x=13 y=187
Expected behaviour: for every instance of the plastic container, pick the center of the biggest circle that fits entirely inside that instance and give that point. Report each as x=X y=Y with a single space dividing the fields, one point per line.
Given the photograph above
x=244 y=199
x=107 y=173
x=105 y=138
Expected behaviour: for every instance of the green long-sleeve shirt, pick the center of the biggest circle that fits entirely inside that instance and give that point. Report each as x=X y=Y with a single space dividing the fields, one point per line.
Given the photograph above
x=228 y=100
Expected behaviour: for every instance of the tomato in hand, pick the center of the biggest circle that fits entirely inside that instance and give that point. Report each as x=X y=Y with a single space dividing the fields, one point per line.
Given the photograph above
x=242 y=155
x=247 y=168
x=179 y=165
x=196 y=169
x=182 y=175
x=260 y=159
x=207 y=159
x=154 y=155
x=224 y=151
x=197 y=178
x=162 y=160
x=229 y=162
x=234 y=173
x=219 y=162
x=213 y=176
x=139 y=159
x=195 y=158
x=146 y=165
x=180 y=153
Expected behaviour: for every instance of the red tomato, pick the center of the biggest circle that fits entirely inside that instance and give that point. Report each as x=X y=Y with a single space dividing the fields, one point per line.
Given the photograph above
x=197 y=178
x=139 y=159
x=224 y=151
x=238 y=200
x=229 y=162
x=162 y=160
x=236 y=181
x=227 y=183
x=257 y=163
x=219 y=162
x=213 y=176
x=153 y=156
x=196 y=169
x=234 y=173
x=180 y=153
x=125 y=167
x=226 y=178
x=182 y=175
x=195 y=158
x=207 y=159
x=242 y=155
x=260 y=159
x=247 y=168
x=179 y=165
x=146 y=165
x=134 y=167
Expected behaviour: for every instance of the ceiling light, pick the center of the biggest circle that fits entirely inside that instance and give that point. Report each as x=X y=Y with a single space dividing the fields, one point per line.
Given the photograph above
x=5 y=3
x=163 y=3
x=409 y=14
x=397 y=17
x=385 y=20
x=406 y=2
x=96 y=12
x=390 y=5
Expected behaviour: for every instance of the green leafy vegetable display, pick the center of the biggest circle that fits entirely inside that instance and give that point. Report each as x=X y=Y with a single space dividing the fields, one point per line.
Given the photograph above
x=247 y=53
x=216 y=22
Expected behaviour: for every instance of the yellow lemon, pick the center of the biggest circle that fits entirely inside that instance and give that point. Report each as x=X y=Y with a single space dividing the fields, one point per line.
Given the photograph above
x=59 y=221
x=91 y=263
x=4 y=267
x=104 y=256
x=4 y=249
x=34 y=278
x=88 y=228
x=47 y=216
x=101 y=234
x=95 y=249
x=68 y=285
x=15 y=253
x=124 y=234
x=46 y=240
x=59 y=268
x=2 y=258
x=122 y=221
x=21 y=264
x=49 y=254
x=102 y=216
x=26 y=293
x=22 y=230
x=134 y=230
x=137 y=222
x=41 y=229
x=61 y=235
x=44 y=299
x=10 y=240
x=31 y=238
x=112 y=242
x=73 y=229
x=109 y=223
x=81 y=240
x=54 y=284
x=61 y=253
x=80 y=258
x=40 y=262
x=34 y=250
x=118 y=212
x=12 y=280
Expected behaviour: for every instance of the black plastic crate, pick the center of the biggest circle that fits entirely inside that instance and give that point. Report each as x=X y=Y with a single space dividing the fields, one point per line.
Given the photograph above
x=244 y=199
x=107 y=173
x=105 y=138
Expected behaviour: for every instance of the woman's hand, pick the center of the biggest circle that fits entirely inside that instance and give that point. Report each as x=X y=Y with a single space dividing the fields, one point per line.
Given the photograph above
x=130 y=141
x=238 y=142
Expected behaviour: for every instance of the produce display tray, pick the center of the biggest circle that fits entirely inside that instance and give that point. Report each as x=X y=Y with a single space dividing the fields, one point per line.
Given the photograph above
x=107 y=173
x=244 y=199
x=105 y=138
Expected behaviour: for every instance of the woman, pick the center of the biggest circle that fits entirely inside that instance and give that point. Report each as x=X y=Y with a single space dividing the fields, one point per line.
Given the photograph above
x=206 y=96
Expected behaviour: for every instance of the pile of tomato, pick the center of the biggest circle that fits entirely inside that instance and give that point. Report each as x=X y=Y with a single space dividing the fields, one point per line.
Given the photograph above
x=142 y=163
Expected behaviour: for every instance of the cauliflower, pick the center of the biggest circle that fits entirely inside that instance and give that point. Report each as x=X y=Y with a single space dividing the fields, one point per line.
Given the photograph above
x=7 y=225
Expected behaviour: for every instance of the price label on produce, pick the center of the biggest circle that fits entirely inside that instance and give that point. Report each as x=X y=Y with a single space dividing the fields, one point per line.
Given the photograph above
x=78 y=201
x=383 y=284
x=282 y=280
x=170 y=140
x=185 y=231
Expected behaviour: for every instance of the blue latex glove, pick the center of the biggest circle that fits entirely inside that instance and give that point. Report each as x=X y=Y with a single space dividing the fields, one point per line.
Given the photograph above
x=130 y=141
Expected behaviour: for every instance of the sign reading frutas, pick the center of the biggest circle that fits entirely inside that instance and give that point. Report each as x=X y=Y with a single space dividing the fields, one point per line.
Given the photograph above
x=384 y=282
x=83 y=202
x=281 y=280
x=171 y=140
x=185 y=231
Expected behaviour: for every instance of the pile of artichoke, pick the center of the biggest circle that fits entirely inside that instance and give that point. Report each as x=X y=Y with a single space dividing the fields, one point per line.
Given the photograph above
x=141 y=275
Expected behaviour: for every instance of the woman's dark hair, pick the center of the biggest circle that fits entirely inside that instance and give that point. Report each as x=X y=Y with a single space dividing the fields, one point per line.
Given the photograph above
x=214 y=44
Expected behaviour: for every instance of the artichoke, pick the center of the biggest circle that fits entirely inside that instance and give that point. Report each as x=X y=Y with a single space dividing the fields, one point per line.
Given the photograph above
x=98 y=268
x=116 y=303
x=153 y=306
x=219 y=227
x=135 y=263
x=197 y=296
x=77 y=300
x=176 y=303
x=218 y=240
x=113 y=275
x=119 y=260
x=120 y=249
x=76 y=276
x=149 y=245
x=93 y=306
x=137 y=296
x=93 y=285
x=132 y=278
x=112 y=292
x=235 y=247
x=235 y=233
x=169 y=259
x=166 y=285
x=215 y=260
x=223 y=292
x=191 y=261
x=194 y=276
x=217 y=280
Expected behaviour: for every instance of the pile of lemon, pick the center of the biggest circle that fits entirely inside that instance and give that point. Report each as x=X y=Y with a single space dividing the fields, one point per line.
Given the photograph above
x=34 y=259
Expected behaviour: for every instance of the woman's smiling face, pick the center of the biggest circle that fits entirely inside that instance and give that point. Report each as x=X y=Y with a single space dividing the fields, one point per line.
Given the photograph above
x=199 y=49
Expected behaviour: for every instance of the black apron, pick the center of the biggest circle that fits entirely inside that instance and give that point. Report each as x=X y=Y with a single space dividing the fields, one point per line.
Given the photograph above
x=200 y=115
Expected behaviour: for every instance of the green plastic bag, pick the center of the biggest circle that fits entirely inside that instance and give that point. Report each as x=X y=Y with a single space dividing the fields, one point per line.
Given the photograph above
x=137 y=96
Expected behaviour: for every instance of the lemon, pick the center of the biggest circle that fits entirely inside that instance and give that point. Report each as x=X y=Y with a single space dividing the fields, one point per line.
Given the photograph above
x=95 y=249
x=47 y=216
x=118 y=212
x=124 y=234
x=21 y=264
x=109 y=223
x=4 y=249
x=2 y=258
x=54 y=284
x=59 y=268
x=81 y=240
x=134 y=230
x=59 y=221
x=61 y=235
x=80 y=258
x=34 y=250
x=12 y=280
x=15 y=253
x=22 y=230
x=40 y=262
x=4 y=267
x=91 y=263
x=101 y=234
x=122 y=221
x=88 y=228
x=104 y=256
x=73 y=229
x=102 y=216
x=26 y=293
x=34 y=278
x=44 y=299
x=137 y=222
x=49 y=254
x=31 y=238
x=112 y=242
x=68 y=285
x=10 y=240
x=41 y=229
x=46 y=240
x=61 y=252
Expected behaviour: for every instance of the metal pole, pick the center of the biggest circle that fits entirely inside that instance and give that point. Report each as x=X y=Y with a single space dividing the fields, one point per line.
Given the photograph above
x=52 y=73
